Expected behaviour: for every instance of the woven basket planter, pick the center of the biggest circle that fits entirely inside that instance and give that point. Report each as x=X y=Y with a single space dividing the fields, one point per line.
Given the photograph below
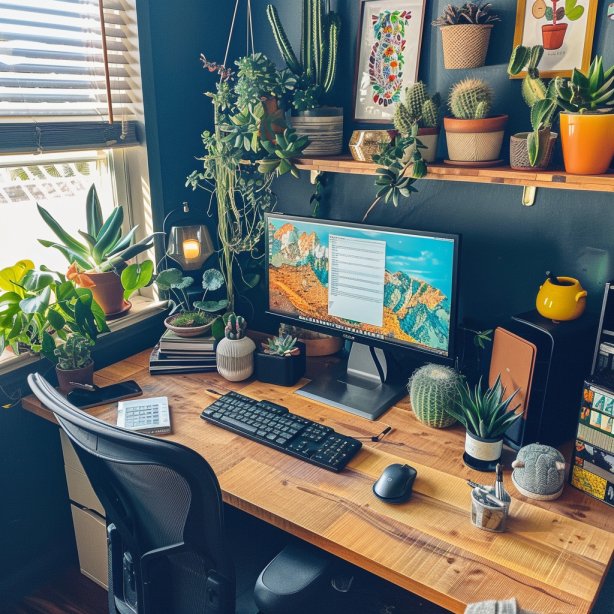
x=324 y=127
x=465 y=45
x=519 y=154
x=475 y=140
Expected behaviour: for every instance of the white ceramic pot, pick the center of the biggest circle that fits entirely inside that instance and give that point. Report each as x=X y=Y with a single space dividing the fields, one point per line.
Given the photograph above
x=483 y=449
x=235 y=358
x=429 y=137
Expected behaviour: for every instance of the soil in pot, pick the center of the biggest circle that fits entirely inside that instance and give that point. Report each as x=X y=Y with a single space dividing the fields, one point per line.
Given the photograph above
x=474 y=140
x=588 y=142
x=324 y=127
x=482 y=454
x=553 y=36
x=80 y=376
x=519 y=153
x=280 y=370
x=465 y=45
x=108 y=292
x=189 y=324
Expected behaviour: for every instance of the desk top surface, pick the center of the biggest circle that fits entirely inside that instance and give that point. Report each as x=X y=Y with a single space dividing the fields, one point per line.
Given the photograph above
x=552 y=559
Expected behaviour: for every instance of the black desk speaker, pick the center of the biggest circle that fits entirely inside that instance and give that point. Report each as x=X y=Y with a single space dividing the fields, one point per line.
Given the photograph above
x=549 y=363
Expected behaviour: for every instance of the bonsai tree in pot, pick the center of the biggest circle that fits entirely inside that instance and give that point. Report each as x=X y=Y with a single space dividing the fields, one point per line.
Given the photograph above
x=104 y=254
x=74 y=363
x=465 y=33
x=472 y=135
x=421 y=108
x=486 y=417
x=281 y=361
x=191 y=318
x=315 y=74
x=533 y=149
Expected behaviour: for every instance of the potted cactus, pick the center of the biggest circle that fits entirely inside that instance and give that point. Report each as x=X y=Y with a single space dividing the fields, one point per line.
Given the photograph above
x=315 y=74
x=433 y=392
x=486 y=417
x=424 y=109
x=74 y=363
x=473 y=138
x=533 y=149
x=235 y=352
x=465 y=33
x=104 y=254
x=281 y=361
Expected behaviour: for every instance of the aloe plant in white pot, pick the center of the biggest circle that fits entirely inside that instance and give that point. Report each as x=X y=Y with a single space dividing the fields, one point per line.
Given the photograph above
x=486 y=417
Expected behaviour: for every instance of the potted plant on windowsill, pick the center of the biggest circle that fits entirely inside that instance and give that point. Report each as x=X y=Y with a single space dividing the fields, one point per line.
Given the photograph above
x=315 y=74
x=486 y=417
x=282 y=361
x=465 y=33
x=74 y=363
x=104 y=254
x=472 y=136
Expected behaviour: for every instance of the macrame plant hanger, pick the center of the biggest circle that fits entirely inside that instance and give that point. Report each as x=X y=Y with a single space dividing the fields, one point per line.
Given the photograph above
x=249 y=31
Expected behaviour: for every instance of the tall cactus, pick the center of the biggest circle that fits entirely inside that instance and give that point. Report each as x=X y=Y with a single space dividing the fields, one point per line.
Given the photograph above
x=470 y=99
x=319 y=43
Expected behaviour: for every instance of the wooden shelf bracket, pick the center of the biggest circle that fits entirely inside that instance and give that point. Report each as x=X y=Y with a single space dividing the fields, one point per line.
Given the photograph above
x=528 y=195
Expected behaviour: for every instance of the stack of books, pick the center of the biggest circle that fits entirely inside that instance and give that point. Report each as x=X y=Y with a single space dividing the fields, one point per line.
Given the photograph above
x=175 y=354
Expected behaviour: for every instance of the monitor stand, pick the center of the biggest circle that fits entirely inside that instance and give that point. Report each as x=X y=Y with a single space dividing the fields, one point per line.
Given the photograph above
x=360 y=385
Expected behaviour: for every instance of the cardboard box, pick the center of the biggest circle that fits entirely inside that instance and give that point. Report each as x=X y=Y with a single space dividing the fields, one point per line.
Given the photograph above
x=91 y=535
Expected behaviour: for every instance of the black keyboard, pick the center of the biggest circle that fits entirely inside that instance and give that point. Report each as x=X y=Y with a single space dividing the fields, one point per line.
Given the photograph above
x=274 y=426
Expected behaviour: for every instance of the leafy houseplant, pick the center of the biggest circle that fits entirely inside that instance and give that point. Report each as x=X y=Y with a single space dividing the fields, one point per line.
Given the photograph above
x=251 y=144
x=75 y=364
x=472 y=135
x=465 y=33
x=104 y=254
x=191 y=319
x=235 y=352
x=424 y=109
x=533 y=149
x=486 y=417
x=315 y=74
x=282 y=361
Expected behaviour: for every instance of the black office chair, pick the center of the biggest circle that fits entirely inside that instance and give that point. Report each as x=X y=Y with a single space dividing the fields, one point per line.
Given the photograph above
x=165 y=527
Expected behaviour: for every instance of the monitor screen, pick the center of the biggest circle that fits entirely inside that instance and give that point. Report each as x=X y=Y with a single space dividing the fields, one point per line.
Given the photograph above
x=384 y=285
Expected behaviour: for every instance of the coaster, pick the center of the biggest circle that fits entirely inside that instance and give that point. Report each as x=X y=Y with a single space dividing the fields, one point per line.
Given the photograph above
x=484 y=164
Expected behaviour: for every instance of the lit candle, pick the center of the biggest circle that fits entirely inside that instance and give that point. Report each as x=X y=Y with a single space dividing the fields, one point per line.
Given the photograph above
x=191 y=249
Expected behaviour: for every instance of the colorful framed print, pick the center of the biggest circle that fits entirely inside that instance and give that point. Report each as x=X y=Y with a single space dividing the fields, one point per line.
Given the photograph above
x=564 y=27
x=387 y=56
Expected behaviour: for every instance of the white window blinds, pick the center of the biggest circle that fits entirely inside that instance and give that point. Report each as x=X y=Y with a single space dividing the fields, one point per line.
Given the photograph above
x=52 y=70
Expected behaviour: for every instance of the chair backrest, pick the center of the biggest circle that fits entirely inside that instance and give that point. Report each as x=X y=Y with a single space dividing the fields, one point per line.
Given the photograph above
x=164 y=514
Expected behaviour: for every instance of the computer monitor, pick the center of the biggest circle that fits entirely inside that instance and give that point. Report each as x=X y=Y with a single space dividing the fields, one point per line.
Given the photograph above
x=384 y=288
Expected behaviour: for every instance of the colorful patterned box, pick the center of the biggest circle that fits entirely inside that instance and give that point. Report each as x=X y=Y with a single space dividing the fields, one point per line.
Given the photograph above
x=592 y=469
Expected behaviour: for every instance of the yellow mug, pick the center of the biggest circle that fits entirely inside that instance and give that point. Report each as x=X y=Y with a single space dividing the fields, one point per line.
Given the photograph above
x=566 y=301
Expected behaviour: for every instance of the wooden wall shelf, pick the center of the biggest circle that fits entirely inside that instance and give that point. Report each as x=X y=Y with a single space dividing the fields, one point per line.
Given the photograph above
x=495 y=175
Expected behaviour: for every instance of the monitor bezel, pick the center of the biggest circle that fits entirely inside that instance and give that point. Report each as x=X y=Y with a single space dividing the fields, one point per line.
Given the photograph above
x=379 y=343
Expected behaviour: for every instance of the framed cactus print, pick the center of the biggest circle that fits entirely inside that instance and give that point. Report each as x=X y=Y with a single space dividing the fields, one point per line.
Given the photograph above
x=565 y=29
x=387 y=56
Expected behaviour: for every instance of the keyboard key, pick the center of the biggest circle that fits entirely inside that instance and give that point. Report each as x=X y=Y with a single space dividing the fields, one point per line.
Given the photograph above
x=244 y=427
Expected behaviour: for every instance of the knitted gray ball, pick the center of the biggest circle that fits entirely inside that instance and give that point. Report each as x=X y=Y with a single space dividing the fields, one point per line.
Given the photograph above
x=539 y=472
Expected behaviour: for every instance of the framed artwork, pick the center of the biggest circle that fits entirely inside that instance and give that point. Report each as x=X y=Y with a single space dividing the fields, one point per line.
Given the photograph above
x=564 y=27
x=387 y=56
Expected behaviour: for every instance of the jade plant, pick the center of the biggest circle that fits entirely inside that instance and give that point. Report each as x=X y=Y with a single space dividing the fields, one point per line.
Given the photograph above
x=418 y=107
x=470 y=99
x=283 y=345
x=315 y=71
x=470 y=12
x=235 y=327
x=75 y=353
x=484 y=414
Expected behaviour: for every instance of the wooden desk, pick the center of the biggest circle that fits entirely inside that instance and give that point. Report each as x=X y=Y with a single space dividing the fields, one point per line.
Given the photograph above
x=553 y=558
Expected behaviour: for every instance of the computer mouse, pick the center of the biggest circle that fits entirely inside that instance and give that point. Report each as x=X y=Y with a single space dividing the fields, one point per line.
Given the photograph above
x=395 y=484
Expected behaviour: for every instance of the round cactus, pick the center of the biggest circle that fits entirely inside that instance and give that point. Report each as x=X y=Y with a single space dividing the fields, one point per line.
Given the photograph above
x=235 y=327
x=415 y=97
x=432 y=390
x=470 y=99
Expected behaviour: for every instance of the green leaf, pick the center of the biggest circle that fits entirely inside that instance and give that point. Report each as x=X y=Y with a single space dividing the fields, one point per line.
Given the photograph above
x=211 y=306
x=34 y=280
x=212 y=279
x=93 y=212
x=69 y=254
x=84 y=317
x=37 y=303
x=168 y=278
x=136 y=276
x=97 y=312
x=217 y=328
x=56 y=319
x=575 y=14
x=106 y=241
x=48 y=346
x=63 y=236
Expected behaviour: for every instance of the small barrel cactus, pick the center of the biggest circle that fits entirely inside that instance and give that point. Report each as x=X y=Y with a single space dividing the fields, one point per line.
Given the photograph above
x=235 y=327
x=418 y=107
x=74 y=354
x=432 y=391
x=470 y=99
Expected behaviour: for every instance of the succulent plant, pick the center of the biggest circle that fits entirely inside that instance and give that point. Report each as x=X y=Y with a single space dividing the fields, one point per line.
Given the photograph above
x=74 y=354
x=484 y=414
x=432 y=391
x=235 y=327
x=470 y=99
x=284 y=345
x=470 y=12
x=418 y=107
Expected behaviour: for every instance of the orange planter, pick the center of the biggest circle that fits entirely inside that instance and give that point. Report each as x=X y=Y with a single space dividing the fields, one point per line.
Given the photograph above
x=588 y=142
x=554 y=35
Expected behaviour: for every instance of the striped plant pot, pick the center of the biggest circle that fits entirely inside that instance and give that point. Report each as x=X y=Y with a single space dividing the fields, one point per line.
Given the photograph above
x=324 y=127
x=235 y=358
x=474 y=140
x=519 y=153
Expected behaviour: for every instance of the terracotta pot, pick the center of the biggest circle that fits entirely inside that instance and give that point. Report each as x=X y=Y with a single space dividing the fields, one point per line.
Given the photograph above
x=271 y=108
x=108 y=292
x=519 y=153
x=187 y=331
x=465 y=45
x=475 y=140
x=554 y=35
x=80 y=376
x=429 y=137
x=324 y=127
x=588 y=142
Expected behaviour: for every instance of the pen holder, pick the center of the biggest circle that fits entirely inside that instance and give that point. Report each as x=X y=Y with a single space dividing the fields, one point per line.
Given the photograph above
x=486 y=514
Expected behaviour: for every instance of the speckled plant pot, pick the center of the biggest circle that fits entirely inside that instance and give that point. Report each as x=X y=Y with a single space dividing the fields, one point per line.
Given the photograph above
x=519 y=153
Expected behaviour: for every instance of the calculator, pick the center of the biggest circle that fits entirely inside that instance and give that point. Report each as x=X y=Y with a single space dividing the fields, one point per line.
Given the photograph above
x=145 y=415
